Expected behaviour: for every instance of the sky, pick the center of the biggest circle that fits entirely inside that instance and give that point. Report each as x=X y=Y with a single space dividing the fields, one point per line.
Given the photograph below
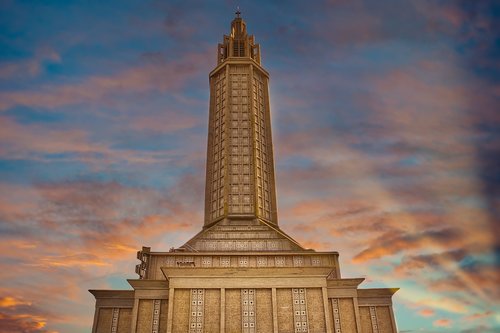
x=386 y=133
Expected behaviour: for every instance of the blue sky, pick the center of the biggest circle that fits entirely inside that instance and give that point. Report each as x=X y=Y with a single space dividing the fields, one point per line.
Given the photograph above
x=385 y=126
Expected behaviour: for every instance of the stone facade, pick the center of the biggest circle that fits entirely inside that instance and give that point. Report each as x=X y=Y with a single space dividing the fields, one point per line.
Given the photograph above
x=241 y=273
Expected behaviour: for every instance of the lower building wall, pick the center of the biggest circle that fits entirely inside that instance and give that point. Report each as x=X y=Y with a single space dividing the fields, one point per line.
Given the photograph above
x=145 y=316
x=376 y=319
x=181 y=311
x=113 y=320
x=211 y=322
x=233 y=310
x=246 y=311
x=315 y=310
x=104 y=317
x=285 y=310
x=124 y=320
x=264 y=313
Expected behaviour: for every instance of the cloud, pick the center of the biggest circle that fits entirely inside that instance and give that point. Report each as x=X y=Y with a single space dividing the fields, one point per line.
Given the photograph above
x=392 y=243
x=9 y=301
x=479 y=315
x=410 y=264
x=22 y=323
x=443 y=322
x=149 y=77
x=30 y=67
x=426 y=312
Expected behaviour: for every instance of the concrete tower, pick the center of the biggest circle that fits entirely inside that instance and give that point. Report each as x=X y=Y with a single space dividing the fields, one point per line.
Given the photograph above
x=241 y=273
x=240 y=182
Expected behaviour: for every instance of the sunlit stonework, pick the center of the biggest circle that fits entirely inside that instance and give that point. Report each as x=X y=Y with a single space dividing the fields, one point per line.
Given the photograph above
x=241 y=272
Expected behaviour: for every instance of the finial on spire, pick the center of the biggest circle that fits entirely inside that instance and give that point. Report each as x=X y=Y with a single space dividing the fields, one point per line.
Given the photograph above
x=238 y=13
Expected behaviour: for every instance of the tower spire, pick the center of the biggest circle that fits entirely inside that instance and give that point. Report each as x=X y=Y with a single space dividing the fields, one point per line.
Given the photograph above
x=238 y=43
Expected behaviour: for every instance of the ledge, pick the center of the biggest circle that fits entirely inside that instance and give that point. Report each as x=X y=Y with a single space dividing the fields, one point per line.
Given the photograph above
x=345 y=283
x=112 y=293
x=242 y=272
x=148 y=284
x=377 y=292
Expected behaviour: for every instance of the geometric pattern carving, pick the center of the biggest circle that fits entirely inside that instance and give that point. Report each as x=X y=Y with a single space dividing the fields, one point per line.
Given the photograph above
x=197 y=305
x=316 y=261
x=261 y=261
x=170 y=261
x=248 y=310
x=300 y=310
x=206 y=261
x=336 y=315
x=114 y=320
x=298 y=261
x=243 y=262
x=373 y=316
x=225 y=261
x=279 y=261
x=156 y=316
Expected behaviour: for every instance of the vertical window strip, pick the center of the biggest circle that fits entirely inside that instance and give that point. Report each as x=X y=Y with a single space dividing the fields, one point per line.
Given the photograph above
x=156 y=315
x=336 y=315
x=114 y=320
x=373 y=316
x=300 y=310
x=248 y=310
x=197 y=308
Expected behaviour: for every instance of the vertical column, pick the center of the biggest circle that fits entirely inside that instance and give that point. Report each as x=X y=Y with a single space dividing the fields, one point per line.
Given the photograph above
x=357 y=315
x=275 y=310
x=223 y=310
x=170 y=320
x=393 y=320
x=135 y=313
x=96 y=313
x=325 y=306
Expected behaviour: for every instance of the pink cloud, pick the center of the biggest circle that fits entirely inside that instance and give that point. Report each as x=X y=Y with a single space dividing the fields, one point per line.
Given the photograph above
x=442 y=322
x=30 y=67
x=426 y=312
x=169 y=76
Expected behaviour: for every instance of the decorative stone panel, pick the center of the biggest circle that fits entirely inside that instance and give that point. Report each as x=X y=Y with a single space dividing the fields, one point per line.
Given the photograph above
x=196 y=309
x=300 y=310
x=373 y=317
x=248 y=310
x=336 y=315
x=114 y=320
x=156 y=315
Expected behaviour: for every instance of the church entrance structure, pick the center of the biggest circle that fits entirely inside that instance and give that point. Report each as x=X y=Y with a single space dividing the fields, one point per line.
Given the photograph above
x=241 y=273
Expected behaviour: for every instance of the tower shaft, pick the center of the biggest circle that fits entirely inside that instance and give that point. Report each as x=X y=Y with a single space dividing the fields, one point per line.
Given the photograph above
x=240 y=181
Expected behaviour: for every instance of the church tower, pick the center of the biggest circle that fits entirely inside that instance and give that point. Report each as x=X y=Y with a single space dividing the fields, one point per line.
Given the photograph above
x=241 y=273
x=240 y=182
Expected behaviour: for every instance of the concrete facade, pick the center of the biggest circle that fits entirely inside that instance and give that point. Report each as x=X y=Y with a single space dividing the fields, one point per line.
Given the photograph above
x=241 y=273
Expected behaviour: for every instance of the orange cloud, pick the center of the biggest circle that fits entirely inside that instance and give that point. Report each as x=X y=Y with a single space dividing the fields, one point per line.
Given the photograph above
x=442 y=322
x=25 y=323
x=479 y=315
x=8 y=302
x=426 y=312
